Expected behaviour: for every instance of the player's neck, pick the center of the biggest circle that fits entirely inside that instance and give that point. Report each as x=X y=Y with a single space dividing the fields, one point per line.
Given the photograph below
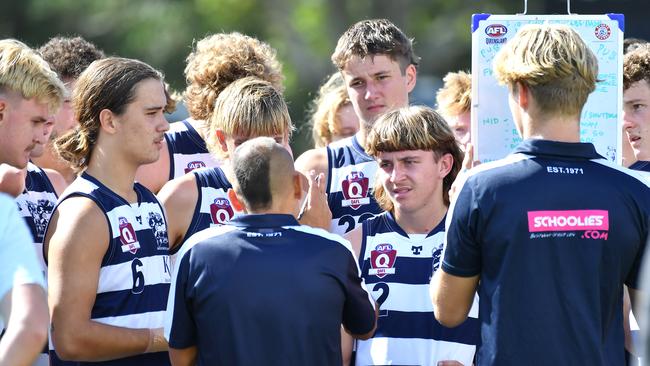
x=557 y=128
x=200 y=126
x=423 y=220
x=118 y=176
x=49 y=160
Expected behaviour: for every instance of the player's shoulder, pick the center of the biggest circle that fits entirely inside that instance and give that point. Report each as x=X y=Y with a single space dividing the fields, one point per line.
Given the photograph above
x=179 y=189
x=323 y=237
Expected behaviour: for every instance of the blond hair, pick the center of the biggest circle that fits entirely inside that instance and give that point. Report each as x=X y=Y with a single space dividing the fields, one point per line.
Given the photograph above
x=24 y=72
x=455 y=96
x=554 y=63
x=413 y=128
x=248 y=107
x=220 y=59
x=324 y=119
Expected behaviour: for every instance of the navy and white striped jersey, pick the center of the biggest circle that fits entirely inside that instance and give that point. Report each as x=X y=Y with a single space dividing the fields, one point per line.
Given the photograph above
x=554 y=230
x=187 y=150
x=213 y=206
x=264 y=290
x=135 y=273
x=36 y=205
x=397 y=268
x=351 y=175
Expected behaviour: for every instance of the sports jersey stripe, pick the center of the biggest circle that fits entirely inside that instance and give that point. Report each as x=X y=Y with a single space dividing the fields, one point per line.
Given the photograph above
x=187 y=150
x=405 y=245
x=400 y=325
x=114 y=303
x=414 y=351
x=405 y=297
x=408 y=271
x=118 y=277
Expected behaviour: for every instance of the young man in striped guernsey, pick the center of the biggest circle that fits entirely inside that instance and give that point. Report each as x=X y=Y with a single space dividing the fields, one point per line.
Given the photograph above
x=264 y=290
x=247 y=108
x=30 y=93
x=400 y=249
x=378 y=66
x=216 y=61
x=552 y=231
x=636 y=104
x=106 y=244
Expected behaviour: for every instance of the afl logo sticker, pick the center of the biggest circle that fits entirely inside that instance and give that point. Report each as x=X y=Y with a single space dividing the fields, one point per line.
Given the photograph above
x=221 y=211
x=194 y=165
x=128 y=239
x=382 y=260
x=355 y=190
x=496 y=30
x=603 y=31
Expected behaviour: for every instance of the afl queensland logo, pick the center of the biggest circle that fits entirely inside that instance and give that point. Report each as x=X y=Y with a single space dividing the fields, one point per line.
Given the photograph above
x=194 y=165
x=355 y=190
x=382 y=260
x=602 y=31
x=221 y=211
x=496 y=30
x=128 y=239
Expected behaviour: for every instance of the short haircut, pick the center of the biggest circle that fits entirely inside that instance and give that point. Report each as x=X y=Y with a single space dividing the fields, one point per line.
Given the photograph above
x=636 y=66
x=253 y=163
x=109 y=83
x=24 y=72
x=248 y=107
x=220 y=59
x=455 y=96
x=375 y=37
x=69 y=57
x=413 y=128
x=324 y=120
x=554 y=63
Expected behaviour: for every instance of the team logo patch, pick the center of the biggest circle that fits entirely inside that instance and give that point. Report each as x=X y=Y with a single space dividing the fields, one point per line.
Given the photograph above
x=221 y=211
x=194 y=165
x=157 y=224
x=355 y=190
x=41 y=211
x=127 y=236
x=382 y=260
x=496 y=30
x=602 y=31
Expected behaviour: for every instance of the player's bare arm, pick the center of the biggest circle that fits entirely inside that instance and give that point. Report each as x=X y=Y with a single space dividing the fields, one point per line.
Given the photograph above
x=179 y=197
x=155 y=175
x=76 y=242
x=452 y=297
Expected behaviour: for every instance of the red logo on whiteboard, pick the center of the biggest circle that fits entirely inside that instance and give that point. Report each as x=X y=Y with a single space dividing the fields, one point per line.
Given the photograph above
x=603 y=31
x=128 y=239
x=496 y=30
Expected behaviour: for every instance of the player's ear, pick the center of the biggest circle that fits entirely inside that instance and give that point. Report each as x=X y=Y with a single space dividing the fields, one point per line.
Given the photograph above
x=299 y=181
x=108 y=121
x=523 y=95
x=234 y=200
x=446 y=162
x=411 y=77
x=221 y=139
x=3 y=109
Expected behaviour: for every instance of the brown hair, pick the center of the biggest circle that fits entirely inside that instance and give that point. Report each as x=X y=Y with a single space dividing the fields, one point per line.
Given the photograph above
x=413 y=128
x=636 y=65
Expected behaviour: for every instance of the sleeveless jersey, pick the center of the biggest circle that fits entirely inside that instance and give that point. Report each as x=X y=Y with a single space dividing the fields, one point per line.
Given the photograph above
x=36 y=205
x=351 y=175
x=187 y=150
x=397 y=269
x=134 y=276
x=213 y=207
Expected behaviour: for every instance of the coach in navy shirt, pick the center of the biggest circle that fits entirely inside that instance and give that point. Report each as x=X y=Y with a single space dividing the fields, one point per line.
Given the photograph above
x=264 y=290
x=554 y=230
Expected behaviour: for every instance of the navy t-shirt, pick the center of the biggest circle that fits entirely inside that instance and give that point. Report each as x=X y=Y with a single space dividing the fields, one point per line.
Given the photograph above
x=263 y=290
x=641 y=165
x=554 y=231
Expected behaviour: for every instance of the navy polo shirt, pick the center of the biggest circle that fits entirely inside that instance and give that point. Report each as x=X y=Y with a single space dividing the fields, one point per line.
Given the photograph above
x=264 y=290
x=641 y=165
x=554 y=231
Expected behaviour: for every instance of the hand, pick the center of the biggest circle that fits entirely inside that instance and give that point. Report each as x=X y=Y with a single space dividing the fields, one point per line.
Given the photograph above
x=468 y=163
x=157 y=341
x=315 y=211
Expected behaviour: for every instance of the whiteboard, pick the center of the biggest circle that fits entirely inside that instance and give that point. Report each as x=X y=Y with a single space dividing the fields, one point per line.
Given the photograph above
x=493 y=131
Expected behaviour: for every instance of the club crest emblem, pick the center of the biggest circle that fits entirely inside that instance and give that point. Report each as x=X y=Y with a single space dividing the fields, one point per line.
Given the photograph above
x=194 y=165
x=355 y=190
x=382 y=260
x=127 y=236
x=221 y=211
